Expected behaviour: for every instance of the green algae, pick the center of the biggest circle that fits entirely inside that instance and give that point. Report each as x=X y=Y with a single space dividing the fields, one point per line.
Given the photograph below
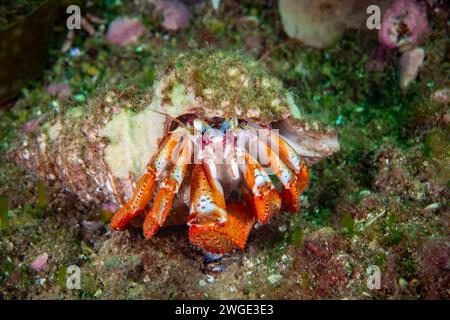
x=297 y=237
x=227 y=78
x=4 y=208
x=42 y=200
x=348 y=224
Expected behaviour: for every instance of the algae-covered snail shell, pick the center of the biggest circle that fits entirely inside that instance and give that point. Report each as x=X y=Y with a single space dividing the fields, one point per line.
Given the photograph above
x=99 y=151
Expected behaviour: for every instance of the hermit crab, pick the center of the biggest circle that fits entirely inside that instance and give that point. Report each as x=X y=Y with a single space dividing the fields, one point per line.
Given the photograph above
x=217 y=144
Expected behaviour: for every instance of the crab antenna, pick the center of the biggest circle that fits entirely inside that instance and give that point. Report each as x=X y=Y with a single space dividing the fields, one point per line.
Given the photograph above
x=270 y=51
x=172 y=118
x=236 y=98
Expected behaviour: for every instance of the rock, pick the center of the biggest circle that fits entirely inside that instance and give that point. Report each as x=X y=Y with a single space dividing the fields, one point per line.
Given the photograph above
x=410 y=63
x=319 y=23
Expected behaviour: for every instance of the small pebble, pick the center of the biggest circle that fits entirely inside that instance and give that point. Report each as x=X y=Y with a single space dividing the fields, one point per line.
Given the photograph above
x=442 y=96
x=410 y=63
x=60 y=90
x=74 y=52
x=433 y=206
x=210 y=278
x=91 y=225
x=80 y=97
x=40 y=281
x=274 y=279
x=285 y=258
x=364 y=193
x=9 y=246
x=40 y=263
x=403 y=283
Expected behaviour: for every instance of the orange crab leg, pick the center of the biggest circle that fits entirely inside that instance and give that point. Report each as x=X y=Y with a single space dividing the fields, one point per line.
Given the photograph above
x=141 y=198
x=167 y=190
x=224 y=238
x=143 y=192
x=294 y=161
x=290 y=188
x=206 y=197
x=265 y=199
x=289 y=169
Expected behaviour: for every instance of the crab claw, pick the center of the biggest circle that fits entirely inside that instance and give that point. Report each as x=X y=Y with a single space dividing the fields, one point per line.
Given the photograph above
x=157 y=215
x=141 y=197
x=206 y=197
x=146 y=184
x=291 y=196
x=302 y=177
x=167 y=190
x=264 y=198
x=224 y=238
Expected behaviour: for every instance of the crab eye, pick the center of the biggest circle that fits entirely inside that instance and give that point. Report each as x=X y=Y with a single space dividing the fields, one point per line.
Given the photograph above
x=226 y=125
x=213 y=136
x=199 y=125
